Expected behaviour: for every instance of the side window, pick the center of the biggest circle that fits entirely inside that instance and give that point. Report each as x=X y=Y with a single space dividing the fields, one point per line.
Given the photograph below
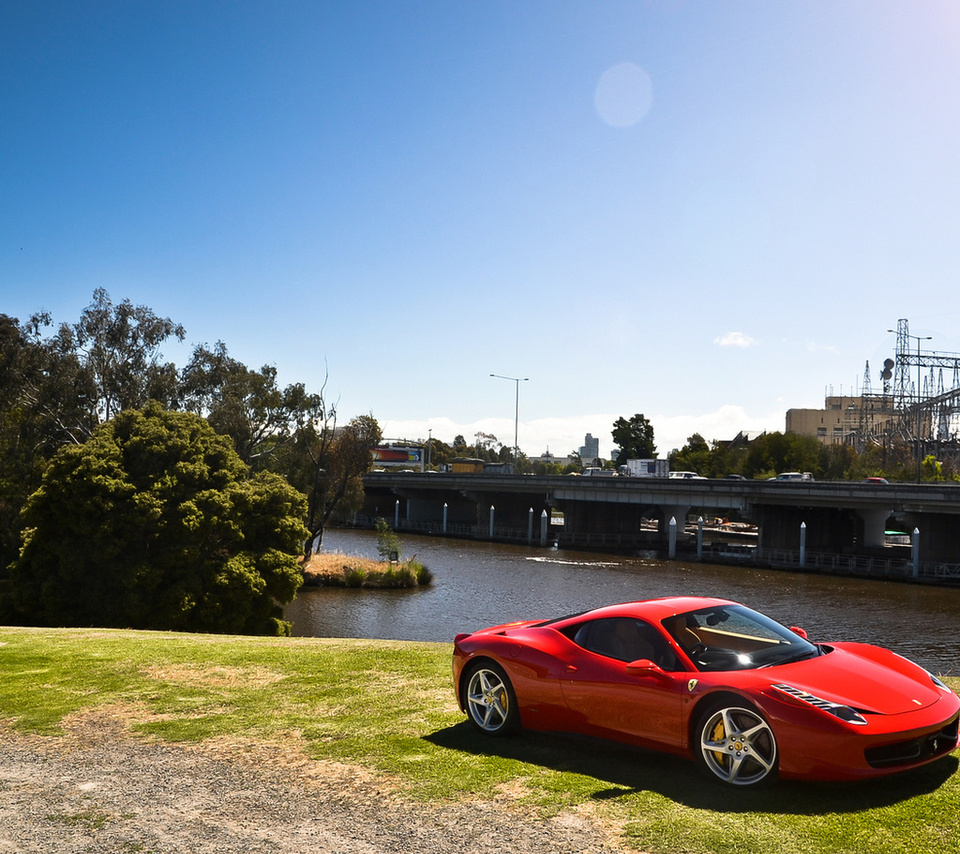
x=626 y=639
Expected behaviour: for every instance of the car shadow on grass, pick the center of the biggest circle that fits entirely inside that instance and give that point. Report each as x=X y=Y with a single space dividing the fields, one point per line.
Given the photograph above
x=621 y=770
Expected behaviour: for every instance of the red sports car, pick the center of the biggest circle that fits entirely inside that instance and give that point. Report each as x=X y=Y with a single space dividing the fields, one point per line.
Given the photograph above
x=748 y=698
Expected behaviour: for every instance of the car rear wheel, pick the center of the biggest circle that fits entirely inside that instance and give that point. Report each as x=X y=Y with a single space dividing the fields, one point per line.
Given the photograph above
x=736 y=745
x=490 y=701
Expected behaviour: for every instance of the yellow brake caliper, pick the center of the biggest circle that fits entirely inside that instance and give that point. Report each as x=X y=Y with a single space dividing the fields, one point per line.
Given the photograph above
x=719 y=735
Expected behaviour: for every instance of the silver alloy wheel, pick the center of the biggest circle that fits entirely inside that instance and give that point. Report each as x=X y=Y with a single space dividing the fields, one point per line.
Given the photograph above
x=489 y=700
x=738 y=746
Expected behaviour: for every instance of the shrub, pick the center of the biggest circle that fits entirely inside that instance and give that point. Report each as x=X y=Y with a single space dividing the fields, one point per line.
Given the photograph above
x=388 y=543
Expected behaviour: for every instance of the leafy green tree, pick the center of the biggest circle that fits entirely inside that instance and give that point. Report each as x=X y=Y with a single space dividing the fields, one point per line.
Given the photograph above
x=438 y=453
x=86 y=373
x=154 y=523
x=523 y=464
x=931 y=468
x=695 y=456
x=542 y=469
x=776 y=452
x=388 y=543
x=119 y=348
x=837 y=462
x=246 y=405
x=43 y=394
x=486 y=447
x=634 y=438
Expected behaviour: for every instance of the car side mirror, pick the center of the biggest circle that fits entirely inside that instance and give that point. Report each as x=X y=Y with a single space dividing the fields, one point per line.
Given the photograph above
x=798 y=631
x=645 y=667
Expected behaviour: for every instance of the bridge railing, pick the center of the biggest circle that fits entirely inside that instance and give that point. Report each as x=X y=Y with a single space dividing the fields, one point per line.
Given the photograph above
x=866 y=566
x=501 y=533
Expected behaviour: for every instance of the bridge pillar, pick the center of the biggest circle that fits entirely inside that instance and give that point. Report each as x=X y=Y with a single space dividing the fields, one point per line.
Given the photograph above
x=675 y=511
x=668 y=512
x=874 y=527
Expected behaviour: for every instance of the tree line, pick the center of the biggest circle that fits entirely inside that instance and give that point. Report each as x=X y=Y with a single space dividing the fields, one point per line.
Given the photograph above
x=761 y=457
x=136 y=493
x=769 y=454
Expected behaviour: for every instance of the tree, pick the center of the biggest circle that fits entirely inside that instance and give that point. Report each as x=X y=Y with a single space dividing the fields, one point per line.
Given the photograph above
x=326 y=464
x=153 y=523
x=777 y=452
x=247 y=405
x=119 y=347
x=634 y=438
x=43 y=393
x=388 y=543
x=485 y=447
x=694 y=456
x=84 y=374
x=438 y=453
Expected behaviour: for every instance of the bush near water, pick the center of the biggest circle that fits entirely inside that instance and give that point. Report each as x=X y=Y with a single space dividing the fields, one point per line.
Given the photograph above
x=338 y=570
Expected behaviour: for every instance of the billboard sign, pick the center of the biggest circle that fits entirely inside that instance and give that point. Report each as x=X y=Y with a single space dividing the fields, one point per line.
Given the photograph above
x=393 y=456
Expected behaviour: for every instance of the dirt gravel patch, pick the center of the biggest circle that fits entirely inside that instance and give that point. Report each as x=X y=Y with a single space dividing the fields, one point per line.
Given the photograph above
x=98 y=788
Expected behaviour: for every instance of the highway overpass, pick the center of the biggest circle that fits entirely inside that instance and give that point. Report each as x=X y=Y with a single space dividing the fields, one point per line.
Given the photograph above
x=837 y=517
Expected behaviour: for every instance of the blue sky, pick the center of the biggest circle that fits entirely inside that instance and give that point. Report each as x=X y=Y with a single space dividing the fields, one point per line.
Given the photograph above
x=705 y=212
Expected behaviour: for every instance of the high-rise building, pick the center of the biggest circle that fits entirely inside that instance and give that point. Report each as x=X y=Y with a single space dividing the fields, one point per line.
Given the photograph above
x=590 y=449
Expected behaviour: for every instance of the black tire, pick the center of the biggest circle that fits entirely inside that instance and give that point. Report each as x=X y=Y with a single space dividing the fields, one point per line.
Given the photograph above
x=489 y=699
x=734 y=744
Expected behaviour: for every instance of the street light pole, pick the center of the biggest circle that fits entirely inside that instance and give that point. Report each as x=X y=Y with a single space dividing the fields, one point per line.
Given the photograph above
x=516 y=414
x=918 y=339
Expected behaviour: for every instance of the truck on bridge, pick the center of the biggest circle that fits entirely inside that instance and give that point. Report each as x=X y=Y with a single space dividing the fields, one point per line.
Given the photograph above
x=646 y=468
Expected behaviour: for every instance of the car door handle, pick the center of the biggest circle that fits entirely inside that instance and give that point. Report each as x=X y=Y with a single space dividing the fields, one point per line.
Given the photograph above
x=571 y=668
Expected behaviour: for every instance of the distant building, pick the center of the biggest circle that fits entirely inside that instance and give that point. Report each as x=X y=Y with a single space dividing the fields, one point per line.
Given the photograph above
x=841 y=419
x=590 y=450
x=547 y=458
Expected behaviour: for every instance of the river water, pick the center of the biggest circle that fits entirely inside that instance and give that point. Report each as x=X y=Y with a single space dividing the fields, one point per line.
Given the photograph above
x=479 y=584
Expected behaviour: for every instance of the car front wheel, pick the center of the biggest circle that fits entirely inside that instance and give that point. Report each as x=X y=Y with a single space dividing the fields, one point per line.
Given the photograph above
x=737 y=746
x=490 y=701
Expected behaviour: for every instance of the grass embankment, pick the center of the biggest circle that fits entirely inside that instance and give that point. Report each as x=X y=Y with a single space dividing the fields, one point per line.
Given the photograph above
x=389 y=706
x=338 y=570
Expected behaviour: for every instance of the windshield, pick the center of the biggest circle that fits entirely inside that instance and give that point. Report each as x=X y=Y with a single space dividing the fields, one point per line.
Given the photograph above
x=732 y=637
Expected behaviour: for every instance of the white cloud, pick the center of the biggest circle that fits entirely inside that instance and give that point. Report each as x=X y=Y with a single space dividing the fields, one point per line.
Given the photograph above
x=735 y=339
x=672 y=432
x=817 y=347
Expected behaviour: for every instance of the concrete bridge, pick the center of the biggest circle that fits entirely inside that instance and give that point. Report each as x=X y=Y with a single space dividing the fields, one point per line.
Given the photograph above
x=837 y=517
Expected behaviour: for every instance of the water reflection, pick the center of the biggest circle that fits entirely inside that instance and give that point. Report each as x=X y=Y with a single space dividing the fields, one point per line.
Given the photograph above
x=482 y=584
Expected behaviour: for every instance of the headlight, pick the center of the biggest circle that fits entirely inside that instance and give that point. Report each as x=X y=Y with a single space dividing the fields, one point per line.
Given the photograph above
x=934 y=679
x=844 y=713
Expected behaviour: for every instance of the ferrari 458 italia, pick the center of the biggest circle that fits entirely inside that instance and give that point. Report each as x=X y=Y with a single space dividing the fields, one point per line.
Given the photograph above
x=747 y=698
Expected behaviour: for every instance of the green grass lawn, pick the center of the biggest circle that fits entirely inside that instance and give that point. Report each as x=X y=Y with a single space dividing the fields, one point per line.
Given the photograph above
x=389 y=706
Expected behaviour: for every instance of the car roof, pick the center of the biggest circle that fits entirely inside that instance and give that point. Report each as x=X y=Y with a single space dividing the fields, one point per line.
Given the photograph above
x=651 y=609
